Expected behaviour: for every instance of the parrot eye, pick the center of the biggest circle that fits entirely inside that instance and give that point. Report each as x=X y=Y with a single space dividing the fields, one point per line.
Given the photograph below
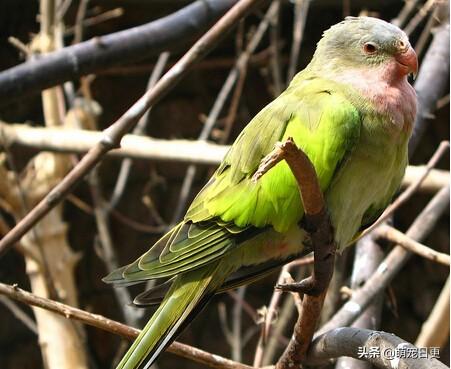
x=369 y=48
x=402 y=45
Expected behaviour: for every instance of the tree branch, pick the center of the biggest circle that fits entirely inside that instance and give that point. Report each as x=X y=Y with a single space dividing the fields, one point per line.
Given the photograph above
x=318 y=225
x=111 y=50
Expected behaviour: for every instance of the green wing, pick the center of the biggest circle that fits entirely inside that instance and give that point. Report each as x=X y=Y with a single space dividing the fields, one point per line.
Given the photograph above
x=322 y=122
x=231 y=207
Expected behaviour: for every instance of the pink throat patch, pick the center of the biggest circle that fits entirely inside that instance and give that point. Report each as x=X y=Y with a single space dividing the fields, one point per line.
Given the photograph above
x=388 y=91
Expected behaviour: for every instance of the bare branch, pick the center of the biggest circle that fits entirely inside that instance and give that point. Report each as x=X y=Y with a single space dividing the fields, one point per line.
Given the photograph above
x=140 y=128
x=134 y=146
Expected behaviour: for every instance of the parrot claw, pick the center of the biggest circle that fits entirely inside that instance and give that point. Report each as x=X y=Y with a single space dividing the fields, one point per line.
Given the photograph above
x=307 y=286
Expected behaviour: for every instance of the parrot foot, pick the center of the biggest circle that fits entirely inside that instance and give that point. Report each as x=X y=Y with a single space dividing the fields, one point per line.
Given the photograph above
x=306 y=286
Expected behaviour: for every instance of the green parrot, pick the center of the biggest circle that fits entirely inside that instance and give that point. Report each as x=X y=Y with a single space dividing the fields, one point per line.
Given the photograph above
x=351 y=110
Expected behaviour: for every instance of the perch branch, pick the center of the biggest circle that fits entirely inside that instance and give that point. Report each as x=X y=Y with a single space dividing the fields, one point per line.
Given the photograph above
x=115 y=327
x=110 y=50
x=318 y=225
x=113 y=134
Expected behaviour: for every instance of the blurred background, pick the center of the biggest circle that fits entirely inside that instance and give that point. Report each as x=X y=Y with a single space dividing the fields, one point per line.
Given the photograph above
x=152 y=197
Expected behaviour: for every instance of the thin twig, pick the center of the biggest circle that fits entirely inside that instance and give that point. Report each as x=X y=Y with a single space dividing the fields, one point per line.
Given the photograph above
x=250 y=311
x=114 y=133
x=281 y=321
x=276 y=68
x=237 y=320
x=108 y=251
x=426 y=32
x=78 y=28
x=269 y=318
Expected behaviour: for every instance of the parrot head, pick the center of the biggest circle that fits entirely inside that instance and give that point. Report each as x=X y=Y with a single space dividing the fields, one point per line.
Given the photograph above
x=367 y=42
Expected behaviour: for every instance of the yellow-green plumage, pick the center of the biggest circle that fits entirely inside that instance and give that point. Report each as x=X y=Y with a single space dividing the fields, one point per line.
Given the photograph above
x=351 y=112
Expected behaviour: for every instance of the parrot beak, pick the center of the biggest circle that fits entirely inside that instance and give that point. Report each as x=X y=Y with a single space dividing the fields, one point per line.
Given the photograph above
x=408 y=60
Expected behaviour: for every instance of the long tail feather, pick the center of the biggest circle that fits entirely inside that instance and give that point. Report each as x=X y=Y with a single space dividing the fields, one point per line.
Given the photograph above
x=186 y=293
